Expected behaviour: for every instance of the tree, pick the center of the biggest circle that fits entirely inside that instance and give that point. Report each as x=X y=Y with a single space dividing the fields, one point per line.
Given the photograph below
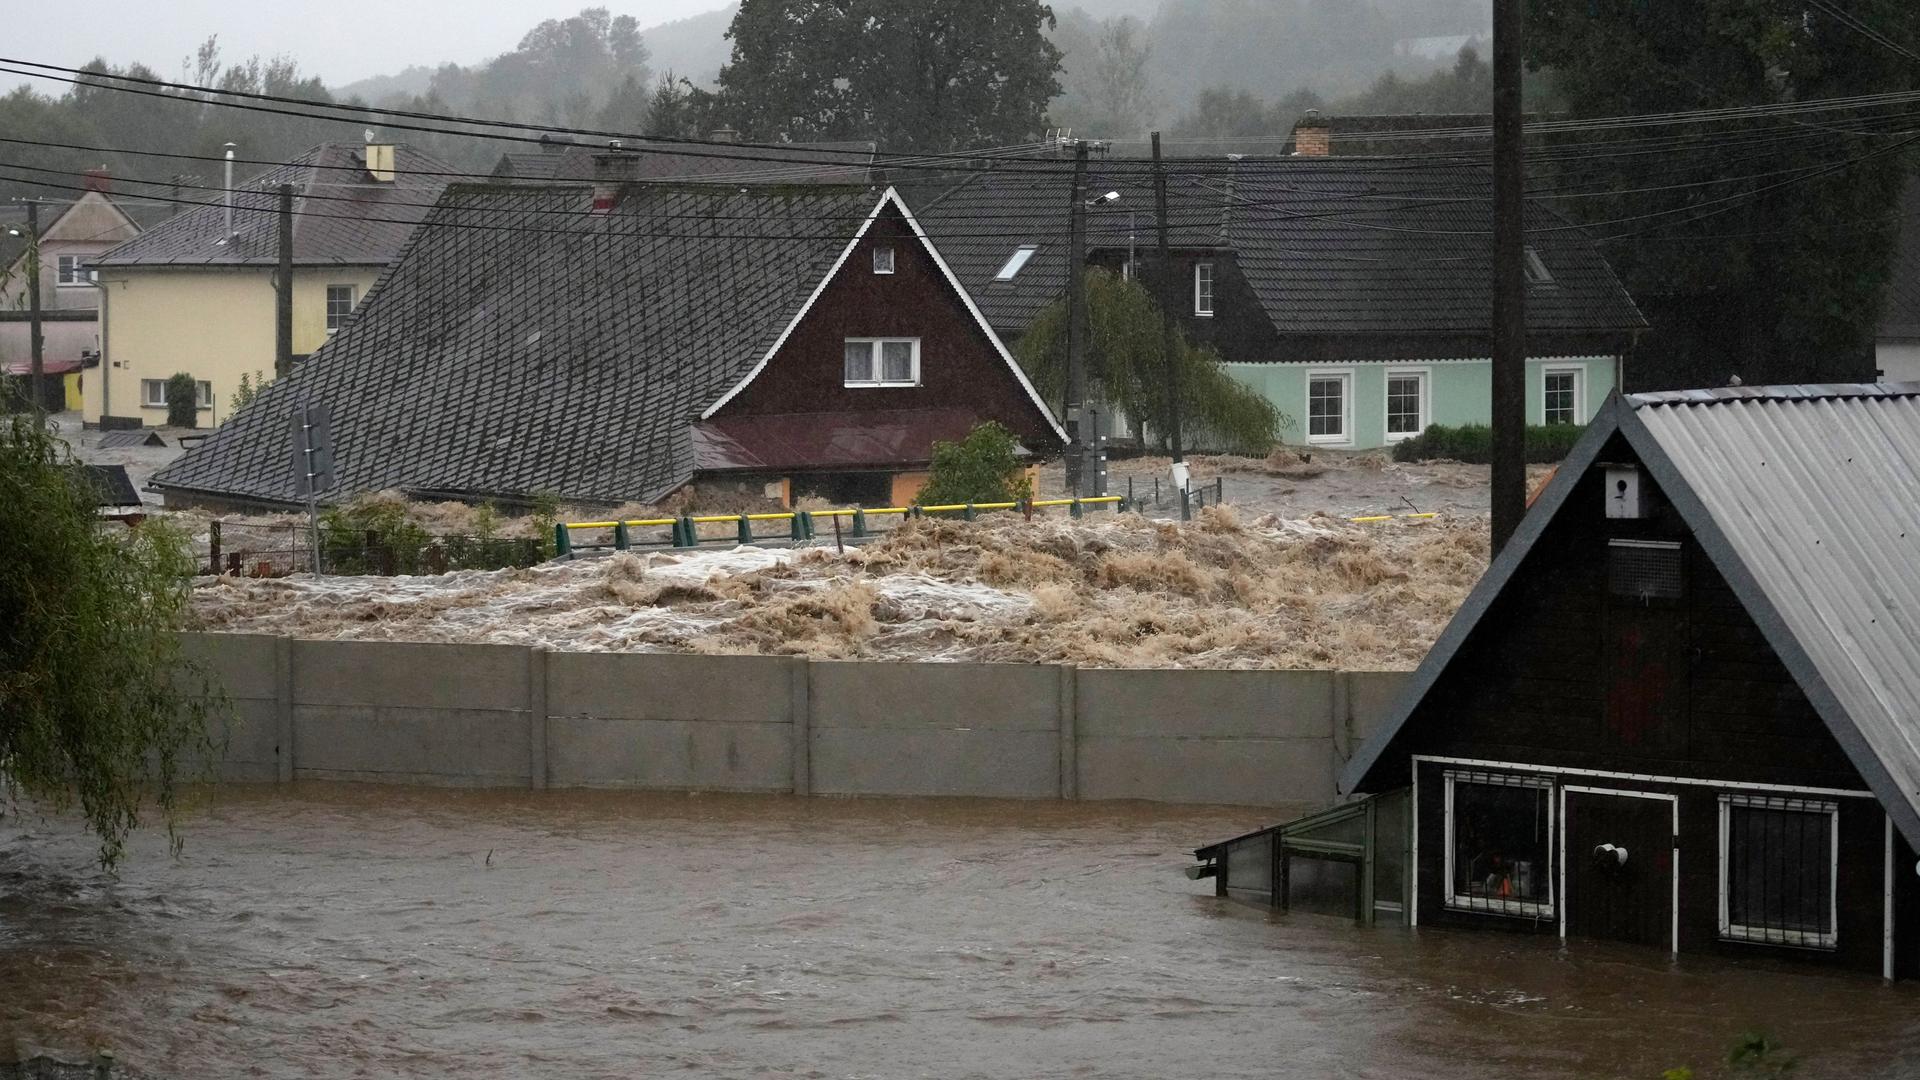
x=1126 y=355
x=183 y=401
x=1107 y=89
x=97 y=704
x=984 y=467
x=913 y=75
x=1772 y=285
x=679 y=109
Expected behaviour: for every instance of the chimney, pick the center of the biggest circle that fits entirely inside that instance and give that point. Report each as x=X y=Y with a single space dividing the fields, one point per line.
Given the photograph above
x=551 y=145
x=98 y=180
x=723 y=135
x=1312 y=135
x=610 y=170
x=380 y=164
x=229 y=186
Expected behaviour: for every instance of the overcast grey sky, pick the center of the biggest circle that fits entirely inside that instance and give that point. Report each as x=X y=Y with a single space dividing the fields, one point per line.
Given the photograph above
x=338 y=42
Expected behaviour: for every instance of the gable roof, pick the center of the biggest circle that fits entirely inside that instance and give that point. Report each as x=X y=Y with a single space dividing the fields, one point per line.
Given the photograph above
x=1330 y=246
x=342 y=216
x=555 y=350
x=1807 y=499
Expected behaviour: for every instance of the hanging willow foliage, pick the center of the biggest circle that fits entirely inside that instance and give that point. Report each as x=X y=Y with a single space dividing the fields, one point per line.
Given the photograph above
x=1124 y=352
x=98 y=706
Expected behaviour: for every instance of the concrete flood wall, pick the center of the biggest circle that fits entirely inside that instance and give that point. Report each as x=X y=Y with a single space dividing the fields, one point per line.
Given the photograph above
x=505 y=716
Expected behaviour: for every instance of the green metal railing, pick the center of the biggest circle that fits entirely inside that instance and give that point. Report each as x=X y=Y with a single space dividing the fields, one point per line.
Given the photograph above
x=684 y=531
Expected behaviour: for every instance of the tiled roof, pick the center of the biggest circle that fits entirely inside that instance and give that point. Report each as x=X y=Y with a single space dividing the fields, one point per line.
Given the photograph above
x=1329 y=245
x=342 y=215
x=798 y=163
x=552 y=351
x=1900 y=315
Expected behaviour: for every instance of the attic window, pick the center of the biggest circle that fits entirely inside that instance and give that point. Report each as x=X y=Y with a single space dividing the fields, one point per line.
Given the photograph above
x=883 y=260
x=1015 y=261
x=1644 y=569
x=1537 y=272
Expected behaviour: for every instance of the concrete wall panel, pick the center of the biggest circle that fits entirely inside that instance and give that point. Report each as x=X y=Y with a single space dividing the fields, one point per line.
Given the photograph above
x=878 y=694
x=931 y=761
x=409 y=674
x=669 y=686
x=1252 y=772
x=1369 y=695
x=242 y=664
x=598 y=752
x=467 y=747
x=1219 y=704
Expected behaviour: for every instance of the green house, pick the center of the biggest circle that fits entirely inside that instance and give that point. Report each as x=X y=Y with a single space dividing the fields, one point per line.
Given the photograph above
x=1355 y=292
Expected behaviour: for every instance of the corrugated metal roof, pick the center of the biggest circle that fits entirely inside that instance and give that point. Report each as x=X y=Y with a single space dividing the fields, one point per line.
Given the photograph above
x=1816 y=492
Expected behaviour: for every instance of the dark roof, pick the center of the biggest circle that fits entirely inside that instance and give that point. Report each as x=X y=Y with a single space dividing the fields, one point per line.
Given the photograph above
x=108 y=484
x=1807 y=499
x=342 y=215
x=841 y=440
x=1329 y=245
x=797 y=163
x=1458 y=135
x=570 y=356
x=1900 y=313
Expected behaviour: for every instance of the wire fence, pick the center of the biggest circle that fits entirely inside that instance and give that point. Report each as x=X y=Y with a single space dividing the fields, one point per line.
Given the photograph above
x=249 y=549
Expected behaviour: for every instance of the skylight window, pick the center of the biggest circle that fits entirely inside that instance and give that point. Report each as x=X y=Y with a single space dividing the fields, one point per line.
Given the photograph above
x=1537 y=272
x=1015 y=261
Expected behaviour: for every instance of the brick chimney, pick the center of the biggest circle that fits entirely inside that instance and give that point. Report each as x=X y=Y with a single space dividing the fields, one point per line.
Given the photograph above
x=1312 y=135
x=98 y=180
x=610 y=170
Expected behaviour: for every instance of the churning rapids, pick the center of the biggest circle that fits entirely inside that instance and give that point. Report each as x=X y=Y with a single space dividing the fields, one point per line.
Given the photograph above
x=337 y=931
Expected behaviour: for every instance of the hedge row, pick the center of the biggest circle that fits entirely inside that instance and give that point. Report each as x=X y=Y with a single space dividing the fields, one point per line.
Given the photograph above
x=1546 y=443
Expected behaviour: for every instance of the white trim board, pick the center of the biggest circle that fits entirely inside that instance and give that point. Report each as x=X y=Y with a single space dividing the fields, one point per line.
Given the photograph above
x=891 y=196
x=1645 y=778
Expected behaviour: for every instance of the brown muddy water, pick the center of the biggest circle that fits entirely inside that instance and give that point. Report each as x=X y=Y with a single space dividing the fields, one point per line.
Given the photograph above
x=336 y=931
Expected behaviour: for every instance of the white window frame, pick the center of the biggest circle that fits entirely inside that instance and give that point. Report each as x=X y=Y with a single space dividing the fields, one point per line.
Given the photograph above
x=204 y=395
x=1524 y=909
x=1425 y=417
x=353 y=300
x=1345 y=438
x=1579 y=390
x=1729 y=931
x=1536 y=268
x=71 y=272
x=1203 y=298
x=883 y=259
x=879 y=372
x=1016 y=262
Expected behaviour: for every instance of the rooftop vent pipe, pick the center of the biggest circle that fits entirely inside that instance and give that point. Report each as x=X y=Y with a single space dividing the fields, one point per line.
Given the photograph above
x=229 y=233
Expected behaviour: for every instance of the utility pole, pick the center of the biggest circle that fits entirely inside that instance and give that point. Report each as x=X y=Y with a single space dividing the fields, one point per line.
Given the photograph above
x=1169 y=295
x=35 y=343
x=1509 y=406
x=1077 y=323
x=283 y=290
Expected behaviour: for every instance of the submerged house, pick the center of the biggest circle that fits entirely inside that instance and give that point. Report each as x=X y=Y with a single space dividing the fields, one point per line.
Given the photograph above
x=605 y=343
x=1681 y=709
x=1355 y=293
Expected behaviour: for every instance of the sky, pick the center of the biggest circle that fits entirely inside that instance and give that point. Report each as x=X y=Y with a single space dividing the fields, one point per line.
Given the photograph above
x=338 y=43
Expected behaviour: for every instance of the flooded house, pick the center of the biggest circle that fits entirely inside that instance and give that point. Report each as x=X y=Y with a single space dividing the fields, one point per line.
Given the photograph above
x=610 y=341
x=1681 y=709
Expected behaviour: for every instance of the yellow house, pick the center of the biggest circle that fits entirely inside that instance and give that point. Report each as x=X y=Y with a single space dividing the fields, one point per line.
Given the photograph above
x=198 y=293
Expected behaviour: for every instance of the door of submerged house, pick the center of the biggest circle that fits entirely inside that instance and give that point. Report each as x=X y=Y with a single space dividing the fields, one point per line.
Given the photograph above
x=1619 y=865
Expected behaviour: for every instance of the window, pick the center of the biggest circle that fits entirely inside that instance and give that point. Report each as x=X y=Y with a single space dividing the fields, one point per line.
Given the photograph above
x=153 y=393
x=1203 y=288
x=339 y=305
x=1537 y=272
x=1560 y=395
x=1499 y=833
x=1777 y=870
x=883 y=362
x=1327 y=408
x=1645 y=569
x=1015 y=261
x=72 y=270
x=1406 y=404
x=883 y=260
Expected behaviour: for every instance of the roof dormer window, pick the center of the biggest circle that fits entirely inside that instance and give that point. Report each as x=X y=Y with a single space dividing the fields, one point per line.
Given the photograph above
x=1015 y=261
x=1537 y=272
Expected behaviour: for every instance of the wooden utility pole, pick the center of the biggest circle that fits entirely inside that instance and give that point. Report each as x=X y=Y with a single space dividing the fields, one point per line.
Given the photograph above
x=1169 y=296
x=36 y=345
x=1076 y=402
x=283 y=290
x=1509 y=407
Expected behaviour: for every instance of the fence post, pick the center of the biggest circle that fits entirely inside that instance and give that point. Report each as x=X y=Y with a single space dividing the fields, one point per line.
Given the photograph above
x=689 y=532
x=745 y=533
x=620 y=538
x=562 y=540
x=1219 y=490
x=859 y=522
x=806 y=524
x=1076 y=510
x=213 y=546
x=967 y=514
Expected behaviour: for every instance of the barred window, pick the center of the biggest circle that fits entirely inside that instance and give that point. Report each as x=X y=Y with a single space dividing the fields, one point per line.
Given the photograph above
x=1777 y=870
x=1499 y=843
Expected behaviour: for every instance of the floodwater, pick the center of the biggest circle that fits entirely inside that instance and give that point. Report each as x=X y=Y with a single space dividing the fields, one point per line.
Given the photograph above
x=336 y=930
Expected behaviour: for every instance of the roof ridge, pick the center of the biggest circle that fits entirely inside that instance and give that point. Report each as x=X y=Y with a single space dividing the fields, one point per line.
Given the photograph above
x=1774 y=392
